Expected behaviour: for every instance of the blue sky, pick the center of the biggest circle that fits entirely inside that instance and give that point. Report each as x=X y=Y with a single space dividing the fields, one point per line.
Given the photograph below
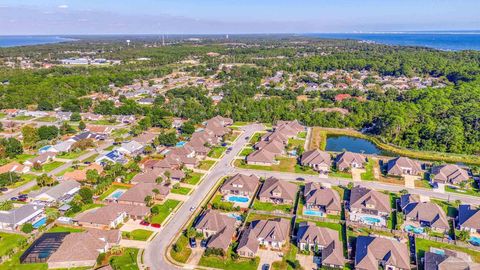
x=234 y=16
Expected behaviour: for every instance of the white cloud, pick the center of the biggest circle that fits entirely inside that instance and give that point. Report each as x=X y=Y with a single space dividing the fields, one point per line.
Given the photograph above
x=63 y=6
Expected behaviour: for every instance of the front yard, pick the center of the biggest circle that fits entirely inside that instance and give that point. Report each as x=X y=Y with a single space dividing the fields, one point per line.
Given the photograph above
x=163 y=210
x=125 y=261
x=181 y=250
x=217 y=152
x=138 y=235
x=49 y=166
x=72 y=154
x=206 y=164
x=180 y=190
x=228 y=263
x=193 y=178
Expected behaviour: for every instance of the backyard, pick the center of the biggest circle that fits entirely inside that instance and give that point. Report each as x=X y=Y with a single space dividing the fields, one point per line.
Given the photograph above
x=270 y=207
x=126 y=261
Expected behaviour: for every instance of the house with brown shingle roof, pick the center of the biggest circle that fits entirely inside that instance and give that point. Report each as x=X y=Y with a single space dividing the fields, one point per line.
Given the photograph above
x=111 y=215
x=449 y=174
x=374 y=252
x=469 y=219
x=81 y=174
x=273 y=146
x=14 y=167
x=369 y=206
x=41 y=159
x=277 y=191
x=423 y=214
x=294 y=125
x=318 y=160
x=137 y=194
x=82 y=249
x=240 y=184
x=349 y=160
x=322 y=241
x=272 y=233
x=261 y=157
x=322 y=199
x=402 y=165
x=446 y=259
x=217 y=227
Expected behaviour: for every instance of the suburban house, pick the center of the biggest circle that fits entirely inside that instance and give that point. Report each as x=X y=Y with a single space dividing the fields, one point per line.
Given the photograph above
x=82 y=249
x=111 y=215
x=63 y=192
x=137 y=194
x=99 y=129
x=322 y=199
x=64 y=116
x=369 y=206
x=131 y=148
x=126 y=119
x=217 y=228
x=63 y=146
x=423 y=214
x=469 y=219
x=88 y=135
x=13 y=219
x=81 y=174
x=374 y=252
x=41 y=159
x=318 y=160
x=92 y=117
x=14 y=167
x=271 y=234
x=277 y=191
x=113 y=156
x=218 y=125
x=240 y=184
x=449 y=174
x=322 y=241
x=145 y=138
x=348 y=160
x=402 y=165
x=275 y=146
x=442 y=259
x=261 y=157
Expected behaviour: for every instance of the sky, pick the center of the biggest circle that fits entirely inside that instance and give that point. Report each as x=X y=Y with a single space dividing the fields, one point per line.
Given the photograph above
x=47 y=17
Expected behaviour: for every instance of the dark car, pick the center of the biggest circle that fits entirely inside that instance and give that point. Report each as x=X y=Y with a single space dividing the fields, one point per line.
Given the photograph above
x=155 y=225
x=144 y=223
x=300 y=179
x=14 y=199
x=224 y=144
x=22 y=199
x=246 y=138
x=193 y=243
x=266 y=266
x=3 y=189
x=87 y=162
x=203 y=243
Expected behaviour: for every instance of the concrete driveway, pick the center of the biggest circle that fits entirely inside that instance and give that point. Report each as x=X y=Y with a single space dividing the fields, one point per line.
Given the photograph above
x=410 y=180
x=307 y=262
x=268 y=257
x=357 y=174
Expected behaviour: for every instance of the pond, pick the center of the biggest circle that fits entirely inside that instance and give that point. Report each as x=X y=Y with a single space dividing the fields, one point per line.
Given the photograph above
x=352 y=144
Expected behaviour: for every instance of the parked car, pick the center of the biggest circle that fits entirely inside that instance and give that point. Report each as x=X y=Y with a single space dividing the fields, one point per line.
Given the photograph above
x=203 y=243
x=22 y=199
x=14 y=199
x=246 y=138
x=193 y=243
x=155 y=225
x=87 y=162
x=3 y=189
x=224 y=144
x=266 y=266
x=300 y=179
x=144 y=223
x=192 y=208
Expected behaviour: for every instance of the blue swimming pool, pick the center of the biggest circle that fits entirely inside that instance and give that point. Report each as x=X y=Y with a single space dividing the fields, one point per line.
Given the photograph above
x=238 y=199
x=474 y=240
x=235 y=216
x=438 y=251
x=416 y=230
x=371 y=220
x=116 y=194
x=40 y=223
x=310 y=212
x=180 y=144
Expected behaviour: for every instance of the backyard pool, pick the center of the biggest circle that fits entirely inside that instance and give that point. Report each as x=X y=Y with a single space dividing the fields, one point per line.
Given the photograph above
x=40 y=223
x=370 y=220
x=237 y=199
x=474 y=240
x=416 y=230
x=180 y=144
x=116 y=194
x=235 y=216
x=310 y=212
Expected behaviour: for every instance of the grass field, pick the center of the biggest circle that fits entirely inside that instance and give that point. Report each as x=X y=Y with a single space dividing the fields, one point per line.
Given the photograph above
x=181 y=190
x=49 y=166
x=65 y=229
x=22 y=117
x=206 y=164
x=368 y=174
x=137 y=235
x=184 y=250
x=264 y=206
x=72 y=155
x=217 y=152
x=193 y=178
x=228 y=263
x=164 y=210
x=126 y=261
x=9 y=241
x=318 y=139
x=46 y=119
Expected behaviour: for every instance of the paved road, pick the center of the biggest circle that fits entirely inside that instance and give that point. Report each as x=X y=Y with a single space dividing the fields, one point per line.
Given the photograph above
x=155 y=251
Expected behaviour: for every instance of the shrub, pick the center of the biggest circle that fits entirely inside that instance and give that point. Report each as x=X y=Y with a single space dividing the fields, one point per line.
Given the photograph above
x=27 y=228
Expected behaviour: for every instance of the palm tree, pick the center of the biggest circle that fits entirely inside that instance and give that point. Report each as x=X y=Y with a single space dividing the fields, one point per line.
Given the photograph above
x=148 y=200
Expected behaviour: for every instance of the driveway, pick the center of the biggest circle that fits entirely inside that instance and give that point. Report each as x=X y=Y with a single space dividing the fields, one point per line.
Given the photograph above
x=307 y=262
x=268 y=257
x=410 y=180
x=357 y=174
x=195 y=256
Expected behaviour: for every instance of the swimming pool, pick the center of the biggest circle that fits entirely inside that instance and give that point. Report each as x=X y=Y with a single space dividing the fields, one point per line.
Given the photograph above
x=416 y=230
x=437 y=251
x=237 y=199
x=40 y=223
x=180 y=144
x=474 y=240
x=370 y=220
x=116 y=194
x=310 y=212
x=235 y=216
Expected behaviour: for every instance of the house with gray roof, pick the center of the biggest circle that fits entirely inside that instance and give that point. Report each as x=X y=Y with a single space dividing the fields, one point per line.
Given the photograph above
x=402 y=165
x=423 y=214
x=218 y=228
x=322 y=241
x=449 y=174
x=369 y=206
x=277 y=191
x=111 y=215
x=62 y=192
x=272 y=233
x=348 y=160
x=445 y=259
x=319 y=161
x=240 y=184
x=136 y=195
x=131 y=148
x=469 y=219
x=322 y=199
x=13 y=219
x=374 y=252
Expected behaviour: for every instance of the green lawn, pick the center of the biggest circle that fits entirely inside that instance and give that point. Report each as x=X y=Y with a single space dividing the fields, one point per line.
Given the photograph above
x=217 y=152
x=284 y=165
x=181 y=190
x=46 y=119
x=217 y=203
x=110 y=148
x=23 y=157
x=293 y=143
x=184 y=251
x=246 y=151
x=138 y=235
x=2 y=115
x=91 y=158
x=206 y=164
x=423 y=245
x=449 y=208
x=72 y=155
x=14 y=264
x=193 y=178
x=49 y=166
x=264 y=206
x=9 y=241
x=471 y=190
x=65 y=229
x=70 y=169
x=368 y=175
x=85 y=207
x=109 y=191
x=240 y=123
x=256 y=137
x=164 y=210
x=127 y=261
x=340 y=174
x=228 y=263
x=22 y=117
x=25 y=179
